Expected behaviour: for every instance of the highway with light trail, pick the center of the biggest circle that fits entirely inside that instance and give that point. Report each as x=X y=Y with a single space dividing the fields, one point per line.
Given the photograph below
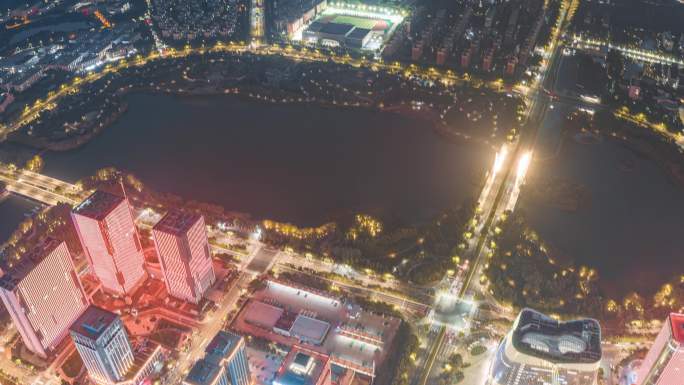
x=506 y=177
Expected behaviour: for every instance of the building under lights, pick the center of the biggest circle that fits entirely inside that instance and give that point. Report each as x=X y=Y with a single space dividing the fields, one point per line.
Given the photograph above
x=224 y=363
x=43 y=295
x=355 y=26
x=664 y=363
x=106 y=351
x=183 y=250
x=110 y=240
x=102 y=342
x=540 y=350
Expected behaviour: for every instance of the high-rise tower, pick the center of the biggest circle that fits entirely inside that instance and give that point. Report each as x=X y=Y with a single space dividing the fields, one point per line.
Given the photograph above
x=664 y=363
x=102 y=342
x=43 y=295
x=110 y=240
x=183 y=250
x=225 y=362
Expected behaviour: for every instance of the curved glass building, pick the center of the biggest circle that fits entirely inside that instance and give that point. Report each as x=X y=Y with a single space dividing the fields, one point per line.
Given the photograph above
x=540 y=350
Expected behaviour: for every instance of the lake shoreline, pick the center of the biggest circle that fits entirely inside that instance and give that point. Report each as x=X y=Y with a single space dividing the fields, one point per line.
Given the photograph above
x=93 y=130
x=344 y=140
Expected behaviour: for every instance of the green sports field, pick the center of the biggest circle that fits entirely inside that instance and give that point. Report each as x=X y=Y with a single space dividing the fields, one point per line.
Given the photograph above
x=361 y=22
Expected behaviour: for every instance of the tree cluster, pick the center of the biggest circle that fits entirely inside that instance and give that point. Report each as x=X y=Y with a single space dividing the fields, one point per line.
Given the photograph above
x=522 y=272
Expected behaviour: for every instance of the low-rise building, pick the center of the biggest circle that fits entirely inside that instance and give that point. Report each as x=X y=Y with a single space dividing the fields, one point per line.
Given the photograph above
x=304 y=366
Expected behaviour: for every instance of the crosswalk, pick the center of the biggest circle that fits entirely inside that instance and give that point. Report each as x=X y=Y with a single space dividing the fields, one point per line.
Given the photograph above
x=45 y=380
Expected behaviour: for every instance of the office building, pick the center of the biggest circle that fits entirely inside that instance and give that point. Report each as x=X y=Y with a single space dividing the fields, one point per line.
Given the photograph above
x=43 y=295
x=206 y=372
x=102 y=342
x=110 y=240
x=183 y=250
x=664 y=363
x=540 y=350
x=224 y=363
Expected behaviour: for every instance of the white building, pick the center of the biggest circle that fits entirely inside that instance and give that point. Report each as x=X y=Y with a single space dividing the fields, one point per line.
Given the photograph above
x=43 y=295
x=540 y=351
x=110 y=240
x=102 y=342
x=183 y=251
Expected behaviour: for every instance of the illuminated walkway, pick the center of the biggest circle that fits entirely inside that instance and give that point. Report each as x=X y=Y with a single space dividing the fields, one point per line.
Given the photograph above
x=32 y=112
x=649 y=56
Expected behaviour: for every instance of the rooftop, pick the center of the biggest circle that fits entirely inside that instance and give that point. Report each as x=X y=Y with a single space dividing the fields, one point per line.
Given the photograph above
x=223 y=344
x=677 y=325
x=337 y=28
x=541 y=336
x=262 y=314
x=358 y=33
x=98 y=205
x=93 y=322
x=290 y=378
x=177 y=222
x=17 y=272
x=302 y=366
x=144 y=359
x=286 y=320
x=203 y=372
x=308 y=328
x=315 y=26
x=302 y=359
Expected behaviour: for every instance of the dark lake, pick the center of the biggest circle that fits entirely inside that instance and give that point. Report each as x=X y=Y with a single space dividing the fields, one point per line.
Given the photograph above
x=13 y=210
x=630 y=230
x=310 y=164
x=303 y=164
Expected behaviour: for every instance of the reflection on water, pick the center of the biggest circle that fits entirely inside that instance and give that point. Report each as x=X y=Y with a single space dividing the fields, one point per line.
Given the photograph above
x=13 y=210
x=631 y=228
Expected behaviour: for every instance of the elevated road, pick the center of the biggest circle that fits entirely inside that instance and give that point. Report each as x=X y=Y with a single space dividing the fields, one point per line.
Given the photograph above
x=644 y=55
x=504 y=184
x=41 y=188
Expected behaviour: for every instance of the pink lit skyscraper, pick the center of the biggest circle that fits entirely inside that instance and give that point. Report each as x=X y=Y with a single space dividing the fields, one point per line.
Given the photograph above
x=110 y=240
x=664 y=363
x=43 y=295
x=183 y=249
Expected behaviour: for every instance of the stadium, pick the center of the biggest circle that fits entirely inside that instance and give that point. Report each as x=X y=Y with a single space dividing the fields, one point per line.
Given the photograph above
x=354 y=26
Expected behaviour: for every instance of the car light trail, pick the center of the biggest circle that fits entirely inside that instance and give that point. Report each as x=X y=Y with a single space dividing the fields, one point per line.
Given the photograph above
x=500 y=159
x=523 y=165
